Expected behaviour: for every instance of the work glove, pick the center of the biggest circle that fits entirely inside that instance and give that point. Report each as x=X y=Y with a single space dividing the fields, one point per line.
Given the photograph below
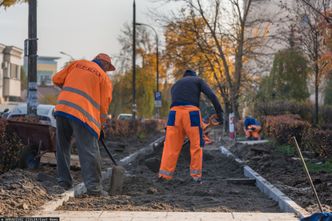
x=220 y=119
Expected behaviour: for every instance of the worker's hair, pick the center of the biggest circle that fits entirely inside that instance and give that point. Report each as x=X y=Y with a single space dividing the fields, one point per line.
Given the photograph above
x=189 y=73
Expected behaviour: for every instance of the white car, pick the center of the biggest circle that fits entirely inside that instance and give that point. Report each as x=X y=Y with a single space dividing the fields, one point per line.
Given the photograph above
x=44 y=111
x=125 y=117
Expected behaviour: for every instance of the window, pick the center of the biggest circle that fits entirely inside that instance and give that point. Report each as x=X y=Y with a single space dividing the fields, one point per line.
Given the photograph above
x=14 y=71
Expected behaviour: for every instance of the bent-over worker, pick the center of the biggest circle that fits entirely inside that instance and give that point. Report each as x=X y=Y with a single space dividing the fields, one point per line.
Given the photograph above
x=252 y=128
x=185 y=119
x=81 y=111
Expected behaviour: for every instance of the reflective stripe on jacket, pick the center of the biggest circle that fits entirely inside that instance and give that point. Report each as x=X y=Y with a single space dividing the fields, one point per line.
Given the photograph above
x=86 y=93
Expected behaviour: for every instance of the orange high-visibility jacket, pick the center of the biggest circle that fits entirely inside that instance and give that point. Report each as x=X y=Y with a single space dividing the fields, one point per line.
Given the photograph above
x=86 y=94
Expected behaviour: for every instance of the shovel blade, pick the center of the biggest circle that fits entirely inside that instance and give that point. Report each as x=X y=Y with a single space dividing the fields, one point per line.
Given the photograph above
x=117 y=180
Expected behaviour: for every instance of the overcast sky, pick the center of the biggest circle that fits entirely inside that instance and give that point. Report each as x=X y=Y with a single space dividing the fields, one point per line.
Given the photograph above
x=81 y=28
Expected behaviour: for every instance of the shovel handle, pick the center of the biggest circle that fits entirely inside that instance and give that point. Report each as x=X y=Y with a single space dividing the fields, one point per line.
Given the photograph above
x=308 y=175
x=108 y=152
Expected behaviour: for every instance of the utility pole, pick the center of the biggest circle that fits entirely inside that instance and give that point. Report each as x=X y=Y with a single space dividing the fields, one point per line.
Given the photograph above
x=157 y=93
x=134 y=107
x=31 y=52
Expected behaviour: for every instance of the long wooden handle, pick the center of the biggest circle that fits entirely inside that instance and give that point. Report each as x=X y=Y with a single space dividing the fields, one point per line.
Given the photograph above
x=308 y=175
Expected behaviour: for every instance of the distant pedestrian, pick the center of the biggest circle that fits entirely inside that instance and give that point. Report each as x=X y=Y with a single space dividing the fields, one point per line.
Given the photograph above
x=81 y=111
x=185 y=119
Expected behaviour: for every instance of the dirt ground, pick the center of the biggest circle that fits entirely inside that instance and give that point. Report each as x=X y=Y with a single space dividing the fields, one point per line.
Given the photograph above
x=22 y=192
x=143 y=192
x=287 y=173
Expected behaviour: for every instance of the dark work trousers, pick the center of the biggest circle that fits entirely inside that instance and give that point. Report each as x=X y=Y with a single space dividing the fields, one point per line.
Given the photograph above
x=88 y=152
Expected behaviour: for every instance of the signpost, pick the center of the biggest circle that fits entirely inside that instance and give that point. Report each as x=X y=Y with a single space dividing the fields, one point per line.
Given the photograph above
x=231 y=126
x=157 y=99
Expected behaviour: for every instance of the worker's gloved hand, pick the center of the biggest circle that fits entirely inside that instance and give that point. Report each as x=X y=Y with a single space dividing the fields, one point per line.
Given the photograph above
x=102 y=135
x=219 y=119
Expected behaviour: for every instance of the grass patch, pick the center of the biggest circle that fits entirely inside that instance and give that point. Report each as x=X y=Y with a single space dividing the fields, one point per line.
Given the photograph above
x=323 y=167
x=286 y=149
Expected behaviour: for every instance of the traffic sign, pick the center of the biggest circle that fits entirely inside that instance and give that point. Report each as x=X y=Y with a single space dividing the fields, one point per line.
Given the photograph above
x=157 y=99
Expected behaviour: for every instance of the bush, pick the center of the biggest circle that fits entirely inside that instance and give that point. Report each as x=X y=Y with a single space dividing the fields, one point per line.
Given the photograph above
x=282 y=128
x=325 y=116
x=319 y=141
x=305 y=110
x=121 y=128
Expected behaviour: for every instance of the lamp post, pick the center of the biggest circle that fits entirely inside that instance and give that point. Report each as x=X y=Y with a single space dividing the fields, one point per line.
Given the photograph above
x=157 y=64
x=31 y=52
x=134 y=107
x=64 y=53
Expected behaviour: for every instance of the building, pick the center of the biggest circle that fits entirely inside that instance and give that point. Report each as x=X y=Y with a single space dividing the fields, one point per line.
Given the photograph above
x=272 y=16
x=10 y=73
x=46 y=67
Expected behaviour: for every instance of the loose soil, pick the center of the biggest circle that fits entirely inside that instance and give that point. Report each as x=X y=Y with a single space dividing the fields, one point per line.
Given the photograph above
x=144 y=192
x=287 y=174
x=22 y=192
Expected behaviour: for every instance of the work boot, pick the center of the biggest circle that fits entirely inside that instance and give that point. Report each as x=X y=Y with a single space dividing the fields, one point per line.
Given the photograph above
x=65 y=185
x=162 y=180
x=101 y=193
x=197 y=180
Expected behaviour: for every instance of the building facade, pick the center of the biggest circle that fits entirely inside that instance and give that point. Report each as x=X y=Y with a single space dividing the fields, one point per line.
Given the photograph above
x=46 y=67
x=10 y=73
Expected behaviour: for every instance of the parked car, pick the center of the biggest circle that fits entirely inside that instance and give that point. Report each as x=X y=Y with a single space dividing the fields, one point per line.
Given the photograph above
x=125 y=117
x=44 y=111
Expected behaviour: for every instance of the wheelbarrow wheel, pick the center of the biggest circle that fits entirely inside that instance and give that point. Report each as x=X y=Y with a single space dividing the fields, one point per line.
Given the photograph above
x=29 y=159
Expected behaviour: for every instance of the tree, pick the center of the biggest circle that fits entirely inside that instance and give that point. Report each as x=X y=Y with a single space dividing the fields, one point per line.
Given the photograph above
x=8 y=3
x=146 y=74
x=212 y=34
x=307 y=17
x=288 y=77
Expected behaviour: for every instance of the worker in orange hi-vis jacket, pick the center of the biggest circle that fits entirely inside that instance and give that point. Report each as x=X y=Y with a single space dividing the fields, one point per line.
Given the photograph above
x=81 y=111
x=184 y=119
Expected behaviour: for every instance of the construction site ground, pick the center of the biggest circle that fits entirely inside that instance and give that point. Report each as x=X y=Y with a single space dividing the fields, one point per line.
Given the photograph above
x=144 y=192
x=287 y=174
x=23 y=192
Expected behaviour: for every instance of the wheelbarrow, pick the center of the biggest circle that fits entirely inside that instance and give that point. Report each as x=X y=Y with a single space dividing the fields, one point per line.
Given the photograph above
x=37 y=138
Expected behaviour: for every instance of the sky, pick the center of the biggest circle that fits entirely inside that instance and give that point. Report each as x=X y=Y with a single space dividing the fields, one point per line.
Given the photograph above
x=81 y=28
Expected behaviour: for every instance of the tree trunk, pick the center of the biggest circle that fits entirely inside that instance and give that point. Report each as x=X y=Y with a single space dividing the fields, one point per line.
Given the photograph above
x=316 y=119
x=316 y=45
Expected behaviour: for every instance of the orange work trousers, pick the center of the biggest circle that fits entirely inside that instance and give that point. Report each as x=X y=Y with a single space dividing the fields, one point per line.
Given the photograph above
x=182 y=121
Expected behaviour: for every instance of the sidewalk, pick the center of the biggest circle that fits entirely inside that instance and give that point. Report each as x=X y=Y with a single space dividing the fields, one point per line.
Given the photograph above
x=167 y=216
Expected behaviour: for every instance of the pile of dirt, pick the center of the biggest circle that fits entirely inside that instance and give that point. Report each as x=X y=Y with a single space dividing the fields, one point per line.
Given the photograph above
x=20 y=194
x=10 y=149
x=144 y=192
x=287 y=173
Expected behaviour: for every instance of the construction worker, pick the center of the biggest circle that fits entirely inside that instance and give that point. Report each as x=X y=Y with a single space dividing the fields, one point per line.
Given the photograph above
x=184 y=119
x=252 y=128
x=81 y=111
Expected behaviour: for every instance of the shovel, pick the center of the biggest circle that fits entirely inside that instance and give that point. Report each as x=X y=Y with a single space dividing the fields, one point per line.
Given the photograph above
x=117 y=174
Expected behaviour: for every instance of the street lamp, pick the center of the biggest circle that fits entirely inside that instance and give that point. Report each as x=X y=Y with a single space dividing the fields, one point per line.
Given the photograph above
x=157 y=60
x=64 y=53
